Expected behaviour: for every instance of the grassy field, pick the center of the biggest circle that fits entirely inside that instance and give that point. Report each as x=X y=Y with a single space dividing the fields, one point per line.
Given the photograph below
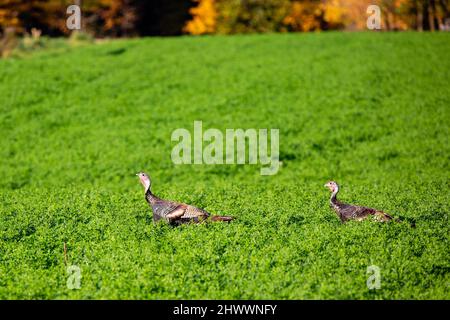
x=369 y=110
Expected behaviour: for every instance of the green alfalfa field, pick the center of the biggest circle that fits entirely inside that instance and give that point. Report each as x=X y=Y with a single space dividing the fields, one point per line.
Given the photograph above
x=369 y=110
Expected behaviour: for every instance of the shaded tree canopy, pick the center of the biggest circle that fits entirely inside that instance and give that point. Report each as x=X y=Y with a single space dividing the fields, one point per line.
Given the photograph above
x=162 y=17
x=100 y=17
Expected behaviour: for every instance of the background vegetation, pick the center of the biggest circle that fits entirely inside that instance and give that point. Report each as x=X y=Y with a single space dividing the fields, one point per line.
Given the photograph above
x=171 y=17
x=369 y=110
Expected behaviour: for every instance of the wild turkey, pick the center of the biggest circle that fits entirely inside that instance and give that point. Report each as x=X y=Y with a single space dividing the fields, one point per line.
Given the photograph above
x=173 y=212
x=350 y=212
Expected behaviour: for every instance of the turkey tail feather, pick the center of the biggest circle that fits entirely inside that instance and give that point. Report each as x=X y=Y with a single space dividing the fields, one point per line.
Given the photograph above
x=222 y=218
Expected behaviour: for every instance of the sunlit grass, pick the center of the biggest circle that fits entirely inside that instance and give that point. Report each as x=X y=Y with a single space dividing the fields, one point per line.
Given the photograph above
x=370 y=111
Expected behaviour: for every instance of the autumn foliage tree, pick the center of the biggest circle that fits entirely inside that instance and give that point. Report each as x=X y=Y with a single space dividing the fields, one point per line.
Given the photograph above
x=26 y=14
x=243 y=16
x=118 y=18
x=204 y=17
x=101 y=17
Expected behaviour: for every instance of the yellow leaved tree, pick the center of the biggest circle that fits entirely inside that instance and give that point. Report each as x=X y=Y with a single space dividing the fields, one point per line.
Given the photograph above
x=203 y=18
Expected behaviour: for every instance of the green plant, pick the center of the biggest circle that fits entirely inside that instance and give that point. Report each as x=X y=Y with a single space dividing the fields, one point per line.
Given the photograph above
x=369 y=110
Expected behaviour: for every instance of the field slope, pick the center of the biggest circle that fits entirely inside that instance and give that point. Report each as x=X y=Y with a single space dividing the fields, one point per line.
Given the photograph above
x=369 y=110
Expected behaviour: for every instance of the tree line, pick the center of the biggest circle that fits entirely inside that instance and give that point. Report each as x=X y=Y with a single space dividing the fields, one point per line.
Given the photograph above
x=118 y=18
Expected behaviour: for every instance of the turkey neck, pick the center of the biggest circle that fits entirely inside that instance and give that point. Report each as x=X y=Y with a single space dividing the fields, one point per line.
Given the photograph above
x=333 y=199
x=151 y=198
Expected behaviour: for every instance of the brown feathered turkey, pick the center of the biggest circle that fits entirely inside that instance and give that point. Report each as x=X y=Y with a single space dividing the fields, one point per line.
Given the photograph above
x=173 y=212
x=347 y=212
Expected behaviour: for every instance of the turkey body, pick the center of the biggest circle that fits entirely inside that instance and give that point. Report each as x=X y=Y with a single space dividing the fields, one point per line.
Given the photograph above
x=347 y=212
x=173 y=212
